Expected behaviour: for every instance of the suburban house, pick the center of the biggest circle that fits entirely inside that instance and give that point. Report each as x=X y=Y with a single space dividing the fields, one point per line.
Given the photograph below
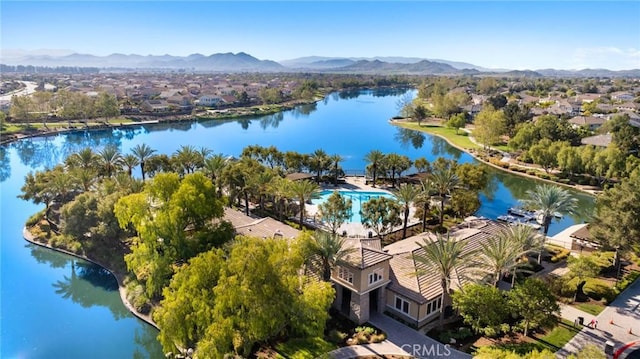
x=209 y=100
x=392 y=280
x=591 y=122
x=598 y=140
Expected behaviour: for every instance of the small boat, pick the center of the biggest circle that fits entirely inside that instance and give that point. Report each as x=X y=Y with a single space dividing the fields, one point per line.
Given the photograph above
x=508 y=218
x=557 y=214
x=516 y=211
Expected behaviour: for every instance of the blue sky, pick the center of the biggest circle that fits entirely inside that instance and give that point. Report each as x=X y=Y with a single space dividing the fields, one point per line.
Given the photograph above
x=498 y=34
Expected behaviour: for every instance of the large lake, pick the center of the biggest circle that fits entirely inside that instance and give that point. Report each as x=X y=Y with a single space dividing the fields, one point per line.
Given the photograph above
x=53 y=306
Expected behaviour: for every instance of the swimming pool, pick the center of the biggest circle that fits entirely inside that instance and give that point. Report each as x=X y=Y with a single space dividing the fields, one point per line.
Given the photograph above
x=356 y=197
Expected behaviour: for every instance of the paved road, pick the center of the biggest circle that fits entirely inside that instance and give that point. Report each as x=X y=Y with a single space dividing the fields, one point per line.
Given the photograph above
x=30 y=87
x=619 y=324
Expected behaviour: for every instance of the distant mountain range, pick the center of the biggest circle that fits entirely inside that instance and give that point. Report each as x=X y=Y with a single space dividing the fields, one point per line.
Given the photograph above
x=243 y=62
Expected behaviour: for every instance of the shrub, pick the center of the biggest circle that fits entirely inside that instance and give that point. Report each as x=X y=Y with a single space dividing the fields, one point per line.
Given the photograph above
x=337 y=337
x=598 y=289
x=626 y=281
x=35 y=218
x=564 y=180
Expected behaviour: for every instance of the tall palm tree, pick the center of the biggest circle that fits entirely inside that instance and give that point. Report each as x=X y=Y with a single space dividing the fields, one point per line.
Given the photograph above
x=187 y=158
x=374 y=158
x=335 y=161
x=444 y=181
x=213 y=167
x=446 y=257
x=424 y=198
x=110 y=159
x=130 y=161
x=500 y=254
x=330 y=250
x=548 y=200
x=406 y=195
x=143 y=152
x=303 y=191
x=319 y=162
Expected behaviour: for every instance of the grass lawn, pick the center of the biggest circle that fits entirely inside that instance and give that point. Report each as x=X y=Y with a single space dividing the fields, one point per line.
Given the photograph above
x=308 y=348
x=591 y=308
x=460 y=139
x=551 y=340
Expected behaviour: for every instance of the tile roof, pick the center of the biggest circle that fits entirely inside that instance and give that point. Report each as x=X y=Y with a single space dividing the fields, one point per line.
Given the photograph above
x=258 y=227
x=367 y=252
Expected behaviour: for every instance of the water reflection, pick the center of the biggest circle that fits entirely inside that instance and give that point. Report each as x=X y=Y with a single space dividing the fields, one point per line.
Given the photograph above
x=147 y=346
x=47 y=256
x=406 y=136
x=271 y=120
x=87 y=285
x=305 y=110
x=440 y=148
x=5 y=164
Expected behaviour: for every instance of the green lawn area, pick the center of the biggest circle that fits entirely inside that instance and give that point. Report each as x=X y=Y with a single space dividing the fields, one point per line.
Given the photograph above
x=591 y=308
x=552 y=340
x=308 y=348
x=460 y=139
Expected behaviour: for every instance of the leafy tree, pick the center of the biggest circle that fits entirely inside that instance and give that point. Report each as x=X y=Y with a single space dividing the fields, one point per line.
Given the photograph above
x=464 y=202
x=380 y=214
x=396 y=164
x=616 y=224
x=375 y=159
x=457 y=121
x=335 y=211
x=489 y=126
x=549 y=200
x=497 y=101
x=514 y=115
x=487 y=85
x=420 y=113
x=473 y=177
x=446 y=257
x=533 y=304
x=545 y=154
x=107 y=105
x=237 y=177
x=581 y=268
x=406 y=195
x=144 y=153
x=80 y=215
x=484 y=308
x=569 y=159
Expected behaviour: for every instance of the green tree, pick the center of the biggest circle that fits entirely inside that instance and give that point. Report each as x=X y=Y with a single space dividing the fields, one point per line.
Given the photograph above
x=335 y=211
x=406 y=195
x=304 y=191
x=319 y=162
x=110 y=159
x=464 y=202
x=144 y=153
x=581 y=268
x=500 y=255
x=533 y=305
x=380 y=214
x=484 y=308
x=545 y=154
x=329 y=250
x=489 y=126
x=395 y=165
x=424 y=200
x=443 y=181
x=445 y=257
x=420 y=113
x=336 y=170
x=569 y=159
x=457 y=121
x=548 y=200
x=107 y=105
x=616 y=224
x=375 y=159
x=514 y=115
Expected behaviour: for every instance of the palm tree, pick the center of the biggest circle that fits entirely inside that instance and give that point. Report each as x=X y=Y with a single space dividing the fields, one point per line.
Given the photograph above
x=406 y=195
x=213 y=167
x=143 y=152
x=424 y=198
x=129 y=160
x=548 y=200
x=303 y=191
x=500 y=254
x=374 y=158
x=110 y=158
x=187 y=157
x=85 y=159
x=335 y=160
x=443 y=180
x=319 y=162
x=446 y=257
x=330 y=250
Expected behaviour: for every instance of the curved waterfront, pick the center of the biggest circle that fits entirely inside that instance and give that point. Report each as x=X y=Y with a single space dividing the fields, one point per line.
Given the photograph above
x=55 y=306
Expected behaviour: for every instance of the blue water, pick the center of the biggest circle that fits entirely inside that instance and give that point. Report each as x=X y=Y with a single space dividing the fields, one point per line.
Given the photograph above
x=357 y=199
x=54 y=307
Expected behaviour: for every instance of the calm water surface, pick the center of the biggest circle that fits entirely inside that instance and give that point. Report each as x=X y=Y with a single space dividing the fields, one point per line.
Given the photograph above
x=53 y=306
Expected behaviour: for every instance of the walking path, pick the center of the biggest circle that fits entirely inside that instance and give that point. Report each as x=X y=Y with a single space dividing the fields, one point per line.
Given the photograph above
x=618 y=324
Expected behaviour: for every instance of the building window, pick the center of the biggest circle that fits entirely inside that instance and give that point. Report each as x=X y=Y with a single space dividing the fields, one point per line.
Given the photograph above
x=345 y=275
x=402 y=305
x=434 y=305
x=375 y=277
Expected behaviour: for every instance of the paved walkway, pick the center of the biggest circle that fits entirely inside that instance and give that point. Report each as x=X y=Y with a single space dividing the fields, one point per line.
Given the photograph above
x=619 y=323
x=377 y=349
x=414 y=342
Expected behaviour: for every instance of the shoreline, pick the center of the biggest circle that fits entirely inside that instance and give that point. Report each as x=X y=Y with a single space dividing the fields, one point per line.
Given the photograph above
x=521 y=174
x=29 y=237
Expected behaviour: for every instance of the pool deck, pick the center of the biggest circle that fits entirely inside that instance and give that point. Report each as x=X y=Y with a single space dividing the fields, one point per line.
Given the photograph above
x=355 y=184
